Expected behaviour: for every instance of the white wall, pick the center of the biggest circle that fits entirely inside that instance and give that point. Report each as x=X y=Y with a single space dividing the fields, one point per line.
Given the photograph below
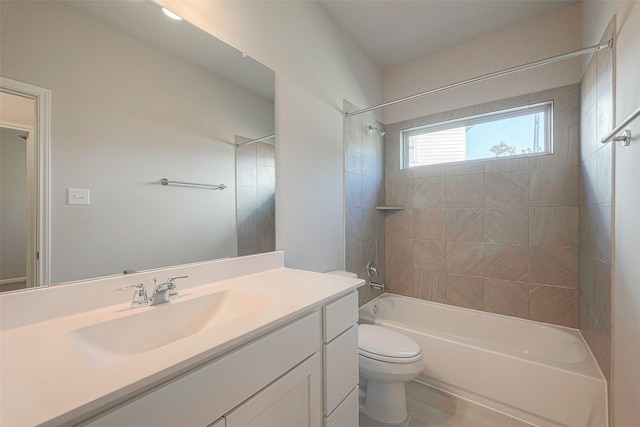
x=17 y=110
x=626 y=247
x=548 y=35
x=118 y=137
x=317 y=66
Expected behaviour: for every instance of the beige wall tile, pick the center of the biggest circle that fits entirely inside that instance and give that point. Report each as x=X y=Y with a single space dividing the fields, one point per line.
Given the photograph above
x=552 y=265
x=472 y=168
x=588 y=86
x=429 y=255
x=506 y=297
x=604 y=111
x=506 y=189
x=588 y=181
x=602 y=231
x=370 y=219
x=604 y=175
x=429 y=192
x=603 y=288
x=355 y=257
x=465 y=258
x=354 y=190
x=506 y=225
x=429 y=224
x=430 y=285
x=398 y=262
x=552 y=304
x=465 y=224
x=503 y=165
x=554 y=226
x=430 y=171
x=465 y=291
x=464 y=191
x=399 y=223
x=588 y=133
x=508 y=262
x=353 y=225
x=554 y=187
x=372 y=192
x=398 y=193
x=353 y=150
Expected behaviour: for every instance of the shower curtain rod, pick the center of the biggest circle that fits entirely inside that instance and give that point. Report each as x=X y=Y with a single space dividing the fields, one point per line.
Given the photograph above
x=590 y=49
x=256 y=140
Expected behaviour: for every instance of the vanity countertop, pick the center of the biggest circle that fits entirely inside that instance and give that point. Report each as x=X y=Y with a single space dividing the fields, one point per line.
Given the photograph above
x=46 y=380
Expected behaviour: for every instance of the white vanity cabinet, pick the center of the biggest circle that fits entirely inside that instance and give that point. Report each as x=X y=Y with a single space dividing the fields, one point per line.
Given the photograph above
x=340 y=362
x=203 y=395
x=303 y=374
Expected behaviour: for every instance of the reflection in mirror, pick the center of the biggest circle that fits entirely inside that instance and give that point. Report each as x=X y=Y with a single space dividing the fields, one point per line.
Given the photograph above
x=137 y=97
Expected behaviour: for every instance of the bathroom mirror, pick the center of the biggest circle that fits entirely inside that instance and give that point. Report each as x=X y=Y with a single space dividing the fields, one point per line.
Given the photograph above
x=137 y=97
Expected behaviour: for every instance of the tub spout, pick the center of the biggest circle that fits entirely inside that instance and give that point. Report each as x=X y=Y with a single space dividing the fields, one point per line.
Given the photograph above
x=377 y=286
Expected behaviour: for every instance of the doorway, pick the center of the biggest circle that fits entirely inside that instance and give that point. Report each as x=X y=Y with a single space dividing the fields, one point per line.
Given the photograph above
x=24 y=185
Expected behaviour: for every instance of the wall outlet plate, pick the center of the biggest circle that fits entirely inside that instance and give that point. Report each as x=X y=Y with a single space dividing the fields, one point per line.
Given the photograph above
x=78 y=196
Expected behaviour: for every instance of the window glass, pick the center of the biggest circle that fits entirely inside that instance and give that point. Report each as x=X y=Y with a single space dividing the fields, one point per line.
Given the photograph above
x=515 y=132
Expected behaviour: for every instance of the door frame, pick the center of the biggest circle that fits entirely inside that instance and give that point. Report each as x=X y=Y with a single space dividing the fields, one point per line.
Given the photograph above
x=39 y=243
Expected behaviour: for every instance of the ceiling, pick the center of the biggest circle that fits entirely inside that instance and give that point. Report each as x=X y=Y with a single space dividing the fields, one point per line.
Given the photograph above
x=393 y=32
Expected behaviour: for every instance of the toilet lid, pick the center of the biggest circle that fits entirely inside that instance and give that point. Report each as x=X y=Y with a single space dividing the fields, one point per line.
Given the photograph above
x=382 y=343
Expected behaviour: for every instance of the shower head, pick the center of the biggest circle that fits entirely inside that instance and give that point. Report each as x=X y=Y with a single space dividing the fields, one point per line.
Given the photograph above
x=380 y=132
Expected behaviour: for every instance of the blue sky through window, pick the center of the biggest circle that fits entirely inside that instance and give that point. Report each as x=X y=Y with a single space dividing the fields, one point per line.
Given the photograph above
x=514 y=131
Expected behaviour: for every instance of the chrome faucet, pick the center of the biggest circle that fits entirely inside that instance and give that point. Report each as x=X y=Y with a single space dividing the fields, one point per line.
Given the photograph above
x=166 y=291
x=139 y=295
x=162 y=293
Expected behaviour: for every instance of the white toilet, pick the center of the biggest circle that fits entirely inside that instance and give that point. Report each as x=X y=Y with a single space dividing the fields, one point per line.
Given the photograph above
x=387 y=360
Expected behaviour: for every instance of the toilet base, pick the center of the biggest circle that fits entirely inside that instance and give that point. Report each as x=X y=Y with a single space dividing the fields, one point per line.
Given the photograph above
x=385 y=402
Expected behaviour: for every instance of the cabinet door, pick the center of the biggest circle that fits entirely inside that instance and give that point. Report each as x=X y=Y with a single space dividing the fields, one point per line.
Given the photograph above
x=292 y=400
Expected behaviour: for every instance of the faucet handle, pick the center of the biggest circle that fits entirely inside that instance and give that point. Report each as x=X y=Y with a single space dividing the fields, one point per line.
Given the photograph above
x=173 y=294
x=173 y=279
x=139 y=295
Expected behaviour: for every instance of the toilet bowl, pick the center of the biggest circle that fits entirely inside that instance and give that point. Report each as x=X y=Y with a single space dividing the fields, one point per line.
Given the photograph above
x=387 y=360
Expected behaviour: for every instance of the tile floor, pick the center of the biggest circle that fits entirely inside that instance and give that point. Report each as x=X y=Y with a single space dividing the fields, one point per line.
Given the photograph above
x=431 y=407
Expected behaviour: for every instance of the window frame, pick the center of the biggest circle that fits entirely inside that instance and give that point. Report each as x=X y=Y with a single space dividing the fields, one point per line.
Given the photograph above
x=545 y=107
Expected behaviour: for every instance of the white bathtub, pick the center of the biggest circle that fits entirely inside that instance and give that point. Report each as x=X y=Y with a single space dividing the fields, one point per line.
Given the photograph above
x=536 y=372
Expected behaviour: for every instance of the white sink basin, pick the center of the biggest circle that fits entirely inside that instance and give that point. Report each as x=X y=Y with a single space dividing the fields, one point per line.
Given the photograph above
x=108 y=342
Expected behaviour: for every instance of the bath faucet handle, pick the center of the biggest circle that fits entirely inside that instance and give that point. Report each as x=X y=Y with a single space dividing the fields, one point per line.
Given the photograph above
x=139 y=295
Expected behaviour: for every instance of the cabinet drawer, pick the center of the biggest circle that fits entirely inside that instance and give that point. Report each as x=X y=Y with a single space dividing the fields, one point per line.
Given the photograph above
x=207 y=393
x=340 y=368
x=339 y=316
x=347 y=413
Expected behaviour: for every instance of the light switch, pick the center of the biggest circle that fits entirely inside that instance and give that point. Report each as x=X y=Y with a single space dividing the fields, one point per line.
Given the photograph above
x=77 y=196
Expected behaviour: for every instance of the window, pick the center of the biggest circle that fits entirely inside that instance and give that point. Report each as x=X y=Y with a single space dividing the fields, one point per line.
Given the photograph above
x=521 y=131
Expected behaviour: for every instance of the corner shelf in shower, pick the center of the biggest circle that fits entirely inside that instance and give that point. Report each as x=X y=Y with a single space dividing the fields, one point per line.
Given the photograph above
x=390 y=208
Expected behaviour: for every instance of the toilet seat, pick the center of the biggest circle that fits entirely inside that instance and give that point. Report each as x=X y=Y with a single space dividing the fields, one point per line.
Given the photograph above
x=386 y=345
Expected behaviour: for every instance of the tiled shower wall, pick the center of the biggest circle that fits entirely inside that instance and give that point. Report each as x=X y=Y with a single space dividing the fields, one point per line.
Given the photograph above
x=497 y=235
x=364 y=181
x=255 y=186
x=596 y=206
